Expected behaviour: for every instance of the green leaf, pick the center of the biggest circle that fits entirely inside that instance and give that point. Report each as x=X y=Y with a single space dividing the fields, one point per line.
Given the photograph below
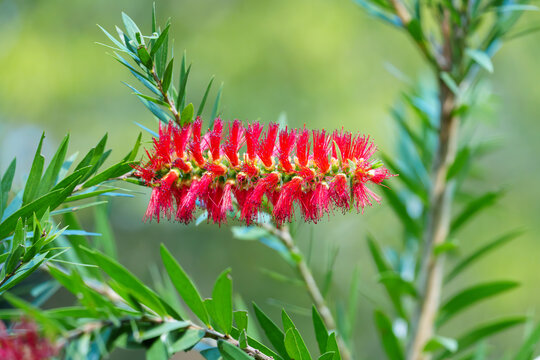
x=473 y=208
x=242 y=340
x=482 y=332
x=476 y=255
x=286 y=321
x=167 y=76
x=470 y=296
x=128 y=281
x=184 y=75
x=296 y=348
x=106 y=240
x=231 y=352
x=187 y=114
x=51 y=174
x=384 y=268
x=50 y=325
x=388 y=339
x=441 y=343
x=217 y=104
x=5 y=185
x=450 y=82
x=32 y=183
x=241 y=319
x=459 y=163
x=205 y=96
x=190 y=338
x=133 y=153
x=37 y=206
x=327 y=356
x=401 y=211
x=526 y=350
x=131 y=28
x=272 y=332
x=157 y=351
x=332 y=346
x=165 y=328
x=184 y=285
x=110 y=173
x=481 y=58
x=222 y=299
x=321 y=333
x=145 y=57
x=160 y=41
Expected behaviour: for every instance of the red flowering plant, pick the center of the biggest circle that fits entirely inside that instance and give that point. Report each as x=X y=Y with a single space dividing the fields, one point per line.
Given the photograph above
x=262 y=180
x=185 y=168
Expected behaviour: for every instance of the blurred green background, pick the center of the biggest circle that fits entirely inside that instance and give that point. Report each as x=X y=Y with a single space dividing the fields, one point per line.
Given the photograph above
x=322 y=62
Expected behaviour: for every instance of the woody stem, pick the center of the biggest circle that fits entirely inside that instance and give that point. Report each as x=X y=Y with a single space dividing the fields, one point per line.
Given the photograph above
x=306 y=275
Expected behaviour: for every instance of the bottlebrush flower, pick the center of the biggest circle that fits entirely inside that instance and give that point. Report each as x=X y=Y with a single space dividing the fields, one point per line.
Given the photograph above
x=22 y=342
x=279 y=169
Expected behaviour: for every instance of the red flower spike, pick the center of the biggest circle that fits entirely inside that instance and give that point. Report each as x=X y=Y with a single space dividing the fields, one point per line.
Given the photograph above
x=286 y=144
x=343 y=140
x=339 y=192
x=253 y=133
x=234 y=143
x=184 y=176
x=290 y=192
x=253 y=203
x=302 y=147
x=321 y=150
x=195 y=146
x=214 y=139
x=266 y=148
x=180 y=139
x=199 y=188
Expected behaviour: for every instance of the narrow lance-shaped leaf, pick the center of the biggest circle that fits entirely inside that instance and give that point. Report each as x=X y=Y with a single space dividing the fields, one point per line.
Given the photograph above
x=160 y=41
x=217 y=105
x=470 y=296
x=128 y=281
x=5 y=185
x=526 y=350
x=222 y=298
x=205 y=96
x=167 y=76
x=384 y=268
x=473 y=208
x=388 y=338
x=321 y=333
x=184 y=75
x=32 y=183
x=482 y=332
x=51 y=174
x=272 y=331
x=184 y=285
x=476 y=255
x=231 y=352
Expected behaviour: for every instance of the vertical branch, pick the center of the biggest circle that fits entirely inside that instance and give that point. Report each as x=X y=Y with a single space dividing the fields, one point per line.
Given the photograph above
x=311 y=285
x=432 y=267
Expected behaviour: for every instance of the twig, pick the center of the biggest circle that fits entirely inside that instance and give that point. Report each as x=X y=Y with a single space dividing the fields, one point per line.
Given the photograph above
x=166 y=98
x=211 y=334
x=285 y=237
x=109 y=293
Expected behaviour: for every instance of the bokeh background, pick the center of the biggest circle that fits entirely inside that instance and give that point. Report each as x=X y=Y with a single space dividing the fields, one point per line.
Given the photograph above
x=322 y=62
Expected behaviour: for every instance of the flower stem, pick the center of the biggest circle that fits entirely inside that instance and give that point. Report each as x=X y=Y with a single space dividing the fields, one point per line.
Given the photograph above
x=284 y=235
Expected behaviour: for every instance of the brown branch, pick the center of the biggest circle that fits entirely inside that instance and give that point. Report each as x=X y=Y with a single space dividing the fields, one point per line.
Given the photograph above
x=302 y=267
x=438 y=217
